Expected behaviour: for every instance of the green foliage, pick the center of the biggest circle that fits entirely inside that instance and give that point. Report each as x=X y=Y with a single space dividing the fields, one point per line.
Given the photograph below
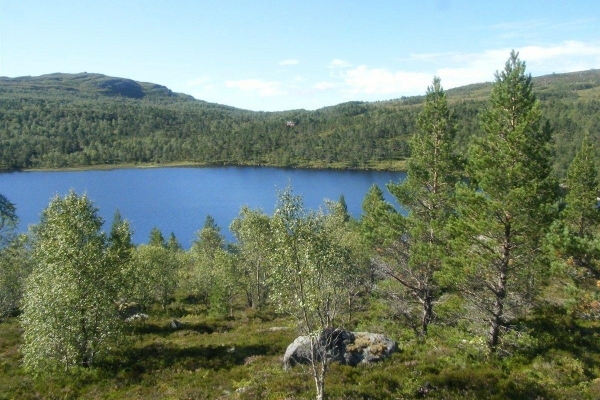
x=581 y=214
x=313 y=274
x=211 y=275
x=15 y=263
x=82 y=120
x=15 y=266
x=314 y=268
x=380 y=223
x=153 y=275
x=8 y=220
x=309 y=265
x=156 y=238
x=120 y=241
x=240 y=357
x=69 y=316
x=414 y=258
x=573 y=239
x=173 y=244
x=252 y=230
x=503 y=215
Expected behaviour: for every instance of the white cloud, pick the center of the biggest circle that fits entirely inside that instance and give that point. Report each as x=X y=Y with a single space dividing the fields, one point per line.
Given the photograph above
x=382 y=81
x=337 y=63
x=289 y=62
x=568 y=56
x=457 y=69
x=341 y=81
x=466 y=68
x=324 y=85
x=264 y=88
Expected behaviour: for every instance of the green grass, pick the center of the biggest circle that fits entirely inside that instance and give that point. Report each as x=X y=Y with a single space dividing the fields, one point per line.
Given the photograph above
x=240 y=358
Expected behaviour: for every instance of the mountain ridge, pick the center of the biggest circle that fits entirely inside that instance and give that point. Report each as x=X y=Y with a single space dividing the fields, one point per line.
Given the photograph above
x=85 y=83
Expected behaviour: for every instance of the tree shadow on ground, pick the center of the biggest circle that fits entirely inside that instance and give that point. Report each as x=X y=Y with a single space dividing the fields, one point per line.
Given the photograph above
x=166 y=329
x=135 y=362
x=556 y=330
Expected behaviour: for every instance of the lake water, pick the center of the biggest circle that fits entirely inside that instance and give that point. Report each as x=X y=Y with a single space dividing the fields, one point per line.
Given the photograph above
x=178 y=199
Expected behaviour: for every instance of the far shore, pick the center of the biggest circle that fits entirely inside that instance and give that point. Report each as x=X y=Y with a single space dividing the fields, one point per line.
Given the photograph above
x=390 y=165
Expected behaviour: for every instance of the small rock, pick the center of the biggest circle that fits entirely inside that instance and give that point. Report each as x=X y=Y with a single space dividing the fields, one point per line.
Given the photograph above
x=176 y=325
x=137 y=317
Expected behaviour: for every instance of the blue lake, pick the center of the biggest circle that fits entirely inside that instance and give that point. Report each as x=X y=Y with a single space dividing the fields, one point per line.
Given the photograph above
x=178 y=199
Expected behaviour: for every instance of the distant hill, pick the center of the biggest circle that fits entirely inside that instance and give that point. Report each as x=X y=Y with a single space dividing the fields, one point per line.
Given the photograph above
x=80 y=120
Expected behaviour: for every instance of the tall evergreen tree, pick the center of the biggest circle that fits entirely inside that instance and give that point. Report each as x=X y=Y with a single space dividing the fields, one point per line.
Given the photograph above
x=157 y=238
x=414 y=258
x=581 y=213
x=8 y=220
x=173 y=244
x=120 y=240
x=380 y=222
x=505 y=211
x=211 y=273
x=573 y=239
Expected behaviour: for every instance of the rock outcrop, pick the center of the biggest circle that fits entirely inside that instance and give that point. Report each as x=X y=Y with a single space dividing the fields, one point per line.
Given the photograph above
x=345 y=347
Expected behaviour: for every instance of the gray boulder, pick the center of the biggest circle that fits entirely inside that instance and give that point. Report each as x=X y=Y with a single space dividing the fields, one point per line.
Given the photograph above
x=345 y=347
x=369 y=348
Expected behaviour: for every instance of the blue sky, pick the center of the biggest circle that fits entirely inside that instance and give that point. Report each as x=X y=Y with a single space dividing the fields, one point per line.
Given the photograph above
x=282 y=55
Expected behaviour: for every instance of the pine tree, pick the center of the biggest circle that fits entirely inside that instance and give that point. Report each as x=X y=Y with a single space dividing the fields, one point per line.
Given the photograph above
x=380 y=222
x=414 y=258
x=573 y=239
x=173 y=244
x=505 y=211
x=581 y=213
x=8 y=220
x=120 y=240
x=211 y=273
x=157 y=238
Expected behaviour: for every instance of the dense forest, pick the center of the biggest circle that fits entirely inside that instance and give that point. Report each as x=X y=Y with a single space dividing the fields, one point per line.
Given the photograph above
x=489 y=286
x=80 y=120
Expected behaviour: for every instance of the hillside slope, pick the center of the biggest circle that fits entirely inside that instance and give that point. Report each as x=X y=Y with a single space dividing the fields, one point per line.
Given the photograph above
x=80 y=120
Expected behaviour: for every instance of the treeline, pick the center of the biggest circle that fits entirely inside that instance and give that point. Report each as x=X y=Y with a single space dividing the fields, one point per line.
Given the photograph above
x=81 y=120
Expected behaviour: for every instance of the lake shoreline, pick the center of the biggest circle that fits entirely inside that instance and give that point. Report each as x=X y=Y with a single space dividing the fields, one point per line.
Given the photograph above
x=391 y=166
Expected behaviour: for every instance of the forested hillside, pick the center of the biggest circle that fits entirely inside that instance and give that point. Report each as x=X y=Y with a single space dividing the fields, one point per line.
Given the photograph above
x=79 y=120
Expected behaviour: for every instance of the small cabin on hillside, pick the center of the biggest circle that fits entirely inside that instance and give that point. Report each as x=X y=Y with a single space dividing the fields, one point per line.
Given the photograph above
x=290 y=123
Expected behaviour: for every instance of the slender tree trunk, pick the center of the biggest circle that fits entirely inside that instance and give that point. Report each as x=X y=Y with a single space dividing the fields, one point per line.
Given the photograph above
x=496 y=323
x=259 y=294
x=319 y=365
x=427 y=313
x=500 y=293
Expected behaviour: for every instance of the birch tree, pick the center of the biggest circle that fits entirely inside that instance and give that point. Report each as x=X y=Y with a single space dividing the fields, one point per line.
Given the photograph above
x=69 y=316
x=252 y=230
x=309 y=279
